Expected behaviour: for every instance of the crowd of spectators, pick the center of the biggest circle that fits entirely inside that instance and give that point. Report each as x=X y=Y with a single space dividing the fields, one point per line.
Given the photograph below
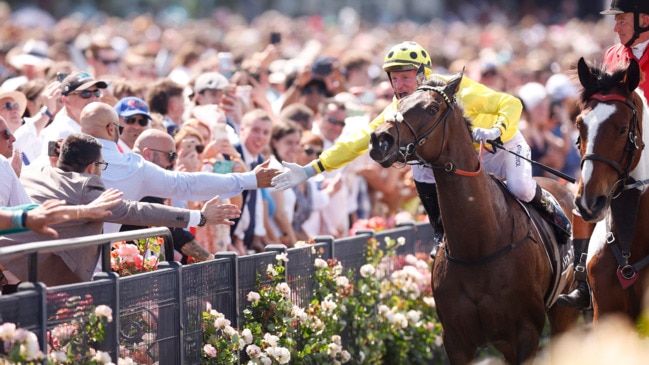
x=235 y=94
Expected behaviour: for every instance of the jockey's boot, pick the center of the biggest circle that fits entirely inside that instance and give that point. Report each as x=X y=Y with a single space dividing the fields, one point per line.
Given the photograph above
x=580 y=297
x=549 y=206
x=428 y=196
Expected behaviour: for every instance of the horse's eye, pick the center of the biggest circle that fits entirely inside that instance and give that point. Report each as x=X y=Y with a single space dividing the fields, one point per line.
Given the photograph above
x=623 y=131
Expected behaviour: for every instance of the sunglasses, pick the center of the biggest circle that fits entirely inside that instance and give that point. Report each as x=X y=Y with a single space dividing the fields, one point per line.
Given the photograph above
x=310 y=151
x=170 y=154
x=109 y=62
x=334 y=121
x=313 y=90
x=11 y=106
x=141 y=121
x=120 y=128
x=87 y=94
x=103 y=164
x=6 y=134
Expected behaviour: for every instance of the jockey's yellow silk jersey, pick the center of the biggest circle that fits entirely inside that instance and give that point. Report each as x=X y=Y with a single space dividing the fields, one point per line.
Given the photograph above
x=485 y=108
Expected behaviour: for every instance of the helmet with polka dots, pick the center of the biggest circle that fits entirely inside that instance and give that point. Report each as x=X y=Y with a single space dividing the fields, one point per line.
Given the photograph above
x=407 y=56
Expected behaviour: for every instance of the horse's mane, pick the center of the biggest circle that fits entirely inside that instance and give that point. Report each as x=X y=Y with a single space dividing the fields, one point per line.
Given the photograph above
x=604 y=80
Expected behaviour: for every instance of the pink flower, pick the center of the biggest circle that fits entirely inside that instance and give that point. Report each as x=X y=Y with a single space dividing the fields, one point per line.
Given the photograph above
x=209 y=350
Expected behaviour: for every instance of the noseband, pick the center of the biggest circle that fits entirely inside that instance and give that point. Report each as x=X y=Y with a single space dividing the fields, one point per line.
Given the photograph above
x=411 y=148
x=631 y=145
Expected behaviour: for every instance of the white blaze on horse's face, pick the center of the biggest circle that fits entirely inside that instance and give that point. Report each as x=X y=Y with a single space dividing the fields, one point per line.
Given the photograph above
x=593 y=121
x=394 y=117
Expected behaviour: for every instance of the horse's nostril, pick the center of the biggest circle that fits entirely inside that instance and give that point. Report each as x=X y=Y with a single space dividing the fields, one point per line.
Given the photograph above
x=382 y=141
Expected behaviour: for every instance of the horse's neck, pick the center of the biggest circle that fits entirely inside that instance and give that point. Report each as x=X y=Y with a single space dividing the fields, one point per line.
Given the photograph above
x=641 y=171
x=470 y=201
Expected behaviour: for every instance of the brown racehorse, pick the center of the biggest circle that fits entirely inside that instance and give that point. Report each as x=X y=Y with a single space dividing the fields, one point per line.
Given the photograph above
x=615 y=171
x=490 y=281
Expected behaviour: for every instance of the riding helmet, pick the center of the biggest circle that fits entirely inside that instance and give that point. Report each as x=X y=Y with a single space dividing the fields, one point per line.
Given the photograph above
x=407 y=56
x=627 y=6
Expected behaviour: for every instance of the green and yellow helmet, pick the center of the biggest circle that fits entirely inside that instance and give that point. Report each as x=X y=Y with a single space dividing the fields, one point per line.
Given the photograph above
x=407 y=56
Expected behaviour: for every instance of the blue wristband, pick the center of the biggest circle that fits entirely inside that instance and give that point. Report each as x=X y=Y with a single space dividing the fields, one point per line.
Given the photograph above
x=309 y=170
x=17 y=219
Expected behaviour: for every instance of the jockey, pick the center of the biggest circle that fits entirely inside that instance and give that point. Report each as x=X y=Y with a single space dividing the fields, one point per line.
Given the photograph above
x=493 y=115
x=632 y=27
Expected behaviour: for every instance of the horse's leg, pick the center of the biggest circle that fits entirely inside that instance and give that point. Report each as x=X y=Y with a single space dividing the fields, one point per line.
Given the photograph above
x=562 y=319
x=457 y=347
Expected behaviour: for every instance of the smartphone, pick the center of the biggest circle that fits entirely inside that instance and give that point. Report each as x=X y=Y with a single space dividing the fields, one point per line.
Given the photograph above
x=275 y=37
x=244 y=91
x=60 y=76
x=223 y=166
x=220 y=132
x=52 y=149
x=323 y=68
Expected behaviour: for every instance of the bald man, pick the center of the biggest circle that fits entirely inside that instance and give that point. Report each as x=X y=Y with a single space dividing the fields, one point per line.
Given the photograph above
x=159 y=148
x=136 y=177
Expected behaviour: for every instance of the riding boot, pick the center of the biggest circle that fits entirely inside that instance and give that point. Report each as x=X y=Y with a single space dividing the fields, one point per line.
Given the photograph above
x=428 y=196
x=549 y=206
x=579 y=298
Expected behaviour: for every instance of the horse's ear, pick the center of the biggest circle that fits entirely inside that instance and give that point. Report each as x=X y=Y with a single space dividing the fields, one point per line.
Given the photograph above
x=453 y=84
x=421 y=74
x=632 y=75
x=585 y=75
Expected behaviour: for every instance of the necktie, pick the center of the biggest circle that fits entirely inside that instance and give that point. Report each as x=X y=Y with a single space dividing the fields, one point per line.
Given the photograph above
x=252 y=206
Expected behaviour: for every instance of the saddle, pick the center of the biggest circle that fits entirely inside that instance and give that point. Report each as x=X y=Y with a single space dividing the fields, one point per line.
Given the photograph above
x=560 y=257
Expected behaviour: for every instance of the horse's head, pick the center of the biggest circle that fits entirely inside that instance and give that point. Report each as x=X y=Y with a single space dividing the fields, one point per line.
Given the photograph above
x=420 y=119
x=610 y=135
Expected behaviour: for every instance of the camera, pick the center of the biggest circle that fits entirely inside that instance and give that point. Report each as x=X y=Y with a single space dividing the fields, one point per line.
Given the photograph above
x=52 y=149
x=323 y=66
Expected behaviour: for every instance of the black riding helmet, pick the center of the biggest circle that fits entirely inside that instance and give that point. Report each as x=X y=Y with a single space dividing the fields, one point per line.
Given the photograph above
x=630 y=6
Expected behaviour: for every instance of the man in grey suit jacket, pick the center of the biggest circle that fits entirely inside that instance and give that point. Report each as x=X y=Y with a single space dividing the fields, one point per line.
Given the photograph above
x=77 y=180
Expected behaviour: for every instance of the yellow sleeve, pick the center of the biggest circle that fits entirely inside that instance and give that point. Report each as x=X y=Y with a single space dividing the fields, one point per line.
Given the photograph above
x=487 y=108
x=348 y=148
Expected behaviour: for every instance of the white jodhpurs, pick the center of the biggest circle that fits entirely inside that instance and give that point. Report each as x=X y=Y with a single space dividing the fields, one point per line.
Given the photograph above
x=517 y=171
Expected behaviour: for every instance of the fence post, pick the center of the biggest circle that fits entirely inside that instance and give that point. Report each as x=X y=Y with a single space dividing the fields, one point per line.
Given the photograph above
x=329 y=240
x=112 y=343
x=41 y=289
x=177 y=267
x=232 y=256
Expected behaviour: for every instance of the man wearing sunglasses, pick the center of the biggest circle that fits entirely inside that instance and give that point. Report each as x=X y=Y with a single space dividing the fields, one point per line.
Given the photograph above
x=12 y=107
x=78 y=89
x=134 y=118
x=137 y=178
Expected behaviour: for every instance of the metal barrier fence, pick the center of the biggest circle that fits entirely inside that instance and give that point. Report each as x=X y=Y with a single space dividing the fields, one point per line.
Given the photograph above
x=168 y=303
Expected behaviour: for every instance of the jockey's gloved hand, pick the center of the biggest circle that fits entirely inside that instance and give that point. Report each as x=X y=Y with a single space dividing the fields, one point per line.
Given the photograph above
x=295 y=175
x=483 y=135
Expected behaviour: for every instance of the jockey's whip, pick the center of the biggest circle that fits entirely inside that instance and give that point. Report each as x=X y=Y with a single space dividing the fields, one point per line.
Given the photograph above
x=498 y=144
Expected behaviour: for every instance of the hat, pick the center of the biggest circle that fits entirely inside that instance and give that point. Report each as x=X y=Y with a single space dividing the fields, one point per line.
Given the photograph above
x=33 y=53
x=18 y=97
x=80 y=81
x=210 y=81
x=532 y=94
x=627 y=6
x=560 y=87
x=130 y=106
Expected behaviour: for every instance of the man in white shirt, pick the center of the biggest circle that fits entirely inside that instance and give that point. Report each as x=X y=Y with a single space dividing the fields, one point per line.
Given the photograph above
x=11 y=192
x=137 y=178
x=77 y=90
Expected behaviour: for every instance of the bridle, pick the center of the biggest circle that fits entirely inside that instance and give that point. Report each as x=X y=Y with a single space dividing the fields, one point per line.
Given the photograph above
x=411 y=148
x=631 y=146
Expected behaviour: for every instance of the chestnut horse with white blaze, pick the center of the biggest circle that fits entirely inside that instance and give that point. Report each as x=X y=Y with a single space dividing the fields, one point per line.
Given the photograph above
x=612 y=190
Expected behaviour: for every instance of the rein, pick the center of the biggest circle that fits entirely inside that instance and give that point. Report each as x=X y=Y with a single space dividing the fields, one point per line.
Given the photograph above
x=411 y=148
x=624 y=203
x=631 y=146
